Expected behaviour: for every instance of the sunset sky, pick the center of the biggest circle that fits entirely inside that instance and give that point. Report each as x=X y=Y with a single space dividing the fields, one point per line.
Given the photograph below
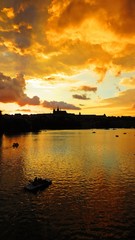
x=78 y=55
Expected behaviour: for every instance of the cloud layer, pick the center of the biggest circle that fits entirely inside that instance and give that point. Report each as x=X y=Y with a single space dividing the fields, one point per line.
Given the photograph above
x=61 y=105
x=51 y=39
x=12 y=90
x=72 y=34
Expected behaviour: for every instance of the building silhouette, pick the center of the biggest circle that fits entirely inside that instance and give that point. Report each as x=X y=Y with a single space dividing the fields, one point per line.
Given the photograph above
x=59 y=112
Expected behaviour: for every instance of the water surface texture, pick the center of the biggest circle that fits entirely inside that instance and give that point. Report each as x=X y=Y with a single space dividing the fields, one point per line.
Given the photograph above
x=92 y=195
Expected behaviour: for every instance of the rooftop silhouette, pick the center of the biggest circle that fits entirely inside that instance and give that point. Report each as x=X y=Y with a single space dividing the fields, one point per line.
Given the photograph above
x=60 y=119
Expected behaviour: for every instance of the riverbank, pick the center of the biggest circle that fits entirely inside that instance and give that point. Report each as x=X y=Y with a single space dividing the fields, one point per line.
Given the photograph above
x=27 y=123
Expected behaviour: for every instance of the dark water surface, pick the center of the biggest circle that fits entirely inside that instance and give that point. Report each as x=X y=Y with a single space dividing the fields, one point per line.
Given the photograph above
x=93 y=191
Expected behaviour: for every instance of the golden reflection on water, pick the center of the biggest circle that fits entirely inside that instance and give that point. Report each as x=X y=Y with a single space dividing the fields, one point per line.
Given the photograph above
x=78 y=151
x=74 y=152
x=93 y=178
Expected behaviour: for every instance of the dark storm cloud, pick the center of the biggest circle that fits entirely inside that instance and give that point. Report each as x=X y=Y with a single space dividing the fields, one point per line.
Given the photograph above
x=12 y=90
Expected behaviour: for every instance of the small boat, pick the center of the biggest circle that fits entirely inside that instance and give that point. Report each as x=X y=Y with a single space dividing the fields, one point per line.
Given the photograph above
x=15 y=145
x=38 y=184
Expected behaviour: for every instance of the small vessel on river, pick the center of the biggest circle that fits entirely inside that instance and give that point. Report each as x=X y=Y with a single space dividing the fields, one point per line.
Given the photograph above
x=38 y=184
x=15 y=145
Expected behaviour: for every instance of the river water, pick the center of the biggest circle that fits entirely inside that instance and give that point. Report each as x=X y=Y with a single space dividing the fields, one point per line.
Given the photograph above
x=92 y=195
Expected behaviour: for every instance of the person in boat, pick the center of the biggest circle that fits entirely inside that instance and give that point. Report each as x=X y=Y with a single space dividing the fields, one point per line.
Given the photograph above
x=15 y=145
x=37 y=180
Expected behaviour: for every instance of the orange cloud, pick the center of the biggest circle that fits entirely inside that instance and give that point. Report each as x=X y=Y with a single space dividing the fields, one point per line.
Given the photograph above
x=99 y=24
x=62 y=105
x=44 y=38
x=122 y=104
x=30 y=101
x=9 y=12
x=12 y=90
x=81 y=97
x=130 y=82
x=123 y=99
x=73 y=34
x=101 y=71
x=112 y=16
x=23 y=110
x=85 y=88
x=88 y=88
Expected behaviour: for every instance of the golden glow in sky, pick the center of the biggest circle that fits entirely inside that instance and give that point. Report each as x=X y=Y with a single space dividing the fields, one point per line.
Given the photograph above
x=78 y=55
